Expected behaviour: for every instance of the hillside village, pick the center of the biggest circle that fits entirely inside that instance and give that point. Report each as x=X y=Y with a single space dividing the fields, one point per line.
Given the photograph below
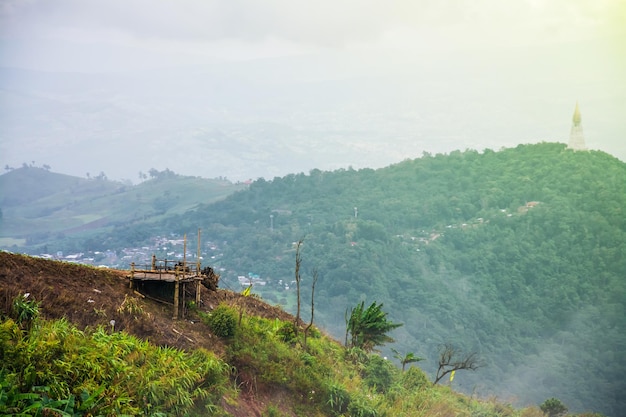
x=172 y=248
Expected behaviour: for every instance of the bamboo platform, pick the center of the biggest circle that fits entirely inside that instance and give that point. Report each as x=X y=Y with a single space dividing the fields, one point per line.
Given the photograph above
x=167 y=276
x=177 y=273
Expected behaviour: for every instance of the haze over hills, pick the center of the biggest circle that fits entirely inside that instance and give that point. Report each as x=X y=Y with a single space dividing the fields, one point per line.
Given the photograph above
x=517 y=254
x=271 y=117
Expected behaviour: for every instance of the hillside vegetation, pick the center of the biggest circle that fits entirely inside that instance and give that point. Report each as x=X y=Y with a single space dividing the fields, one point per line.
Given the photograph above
x=93 y=347
x=517 y=255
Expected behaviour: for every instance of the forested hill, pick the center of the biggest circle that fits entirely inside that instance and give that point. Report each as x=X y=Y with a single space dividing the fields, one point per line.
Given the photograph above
x=517 y=254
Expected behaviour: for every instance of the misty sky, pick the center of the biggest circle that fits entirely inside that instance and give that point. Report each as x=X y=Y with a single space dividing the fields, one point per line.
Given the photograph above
x=575 y=48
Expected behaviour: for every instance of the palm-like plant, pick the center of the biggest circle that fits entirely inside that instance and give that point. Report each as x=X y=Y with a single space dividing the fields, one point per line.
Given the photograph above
x=369 y=326
x=406 y=359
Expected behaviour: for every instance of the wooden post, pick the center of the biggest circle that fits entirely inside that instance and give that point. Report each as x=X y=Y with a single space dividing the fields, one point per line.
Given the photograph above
x=132 y=274
x=198 y=255
x=198 y=272
x=185 y=252
x=176 y=293
x=184 y=298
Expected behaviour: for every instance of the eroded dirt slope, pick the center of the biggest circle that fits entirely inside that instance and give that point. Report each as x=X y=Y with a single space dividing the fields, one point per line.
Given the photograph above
x=89 y=297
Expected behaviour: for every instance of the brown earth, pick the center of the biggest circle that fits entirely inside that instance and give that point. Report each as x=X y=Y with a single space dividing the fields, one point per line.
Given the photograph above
x=89 y=297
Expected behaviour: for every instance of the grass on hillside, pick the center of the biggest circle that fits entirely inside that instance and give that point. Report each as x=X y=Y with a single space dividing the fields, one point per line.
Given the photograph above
x=53 y=366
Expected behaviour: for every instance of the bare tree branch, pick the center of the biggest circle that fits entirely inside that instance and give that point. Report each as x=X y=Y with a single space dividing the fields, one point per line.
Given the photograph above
x=298 y=279
x=452 y=359
x=306 y=330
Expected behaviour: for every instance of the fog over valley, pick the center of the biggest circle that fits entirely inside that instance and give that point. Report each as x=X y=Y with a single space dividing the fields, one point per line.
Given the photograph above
x=244 y=91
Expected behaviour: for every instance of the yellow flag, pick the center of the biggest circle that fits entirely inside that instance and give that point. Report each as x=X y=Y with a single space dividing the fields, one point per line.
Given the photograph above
x=452 y=375
x=246 y=292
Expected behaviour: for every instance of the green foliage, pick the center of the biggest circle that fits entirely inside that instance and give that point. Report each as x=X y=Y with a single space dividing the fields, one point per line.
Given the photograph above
x=260 y=348
x=338 y=398
x=406 y=359
x=288 y=332
x=369 y=327
x=222 y=321
x=26 y=310
x=361 y=406
x=379 y=373
x=414 y=379
x=54 y=366
x=356 y=356
x=55 y=369
x=272 y=411
x=553 y=407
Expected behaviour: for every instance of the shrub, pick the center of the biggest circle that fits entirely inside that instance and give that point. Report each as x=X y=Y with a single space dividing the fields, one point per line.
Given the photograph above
x=553 y=407
x=338 y=398
x=272 y=411
x=360 y=406
x=288 y=332
x=414 y=378
x=223 y=321
x=26 y=311
x=130 y=306
x=379 y=373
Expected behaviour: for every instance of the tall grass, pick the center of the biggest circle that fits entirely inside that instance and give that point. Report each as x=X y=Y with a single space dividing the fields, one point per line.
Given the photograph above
x=128 y=376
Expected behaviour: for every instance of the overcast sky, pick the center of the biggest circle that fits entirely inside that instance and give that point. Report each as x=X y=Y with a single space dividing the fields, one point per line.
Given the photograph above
x=166 y=33
x=499 y=40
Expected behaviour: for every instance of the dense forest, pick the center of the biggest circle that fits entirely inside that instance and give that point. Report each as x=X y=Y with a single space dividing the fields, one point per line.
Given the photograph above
x=518 y=255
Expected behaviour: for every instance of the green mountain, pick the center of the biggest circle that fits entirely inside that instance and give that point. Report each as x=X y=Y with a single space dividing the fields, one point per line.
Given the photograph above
x=518 y=255
x=39 y=206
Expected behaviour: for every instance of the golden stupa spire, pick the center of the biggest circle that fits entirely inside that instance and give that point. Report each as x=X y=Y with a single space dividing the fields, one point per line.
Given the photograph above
x=576 y=118
x=576 y=136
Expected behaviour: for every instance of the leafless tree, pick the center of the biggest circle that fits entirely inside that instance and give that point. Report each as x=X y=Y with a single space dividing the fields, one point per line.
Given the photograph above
x=306 y=330
x=452 y=359
x=298 y=279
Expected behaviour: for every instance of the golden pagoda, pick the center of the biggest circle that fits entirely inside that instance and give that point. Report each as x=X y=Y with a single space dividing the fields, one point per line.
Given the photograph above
x=576 y=136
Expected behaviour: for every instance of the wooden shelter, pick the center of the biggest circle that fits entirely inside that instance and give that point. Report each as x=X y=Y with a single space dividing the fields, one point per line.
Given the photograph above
x=169 y=279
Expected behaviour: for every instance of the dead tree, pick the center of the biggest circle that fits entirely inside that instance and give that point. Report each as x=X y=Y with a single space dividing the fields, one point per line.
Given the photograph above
x=452 y=359
x=306 y=330
x=298 y=279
